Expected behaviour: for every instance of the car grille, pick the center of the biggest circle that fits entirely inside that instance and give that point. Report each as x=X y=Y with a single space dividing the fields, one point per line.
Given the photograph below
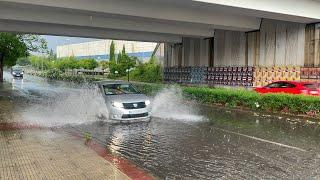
x=130 y=116
x=138 y=105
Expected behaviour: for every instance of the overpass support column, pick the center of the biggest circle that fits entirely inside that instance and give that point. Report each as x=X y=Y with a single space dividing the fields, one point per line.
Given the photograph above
x=312 y=45
x=191 y=52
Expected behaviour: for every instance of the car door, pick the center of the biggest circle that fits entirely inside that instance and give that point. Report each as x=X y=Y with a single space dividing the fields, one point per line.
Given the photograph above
x=273 y=87
x=289 y=88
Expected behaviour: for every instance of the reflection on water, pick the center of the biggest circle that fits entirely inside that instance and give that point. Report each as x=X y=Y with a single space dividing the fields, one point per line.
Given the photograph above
x=174 y=149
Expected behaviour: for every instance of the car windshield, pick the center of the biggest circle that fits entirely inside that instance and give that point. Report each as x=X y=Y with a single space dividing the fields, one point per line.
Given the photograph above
x=274 y=85
x=311 y=86
x=16 y=71
x=119 y=89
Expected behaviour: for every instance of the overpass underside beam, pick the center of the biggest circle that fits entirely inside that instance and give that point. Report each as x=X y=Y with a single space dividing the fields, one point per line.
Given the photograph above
x=39 y=14
x=277 y=43
x=89 y=32
x=166 y=12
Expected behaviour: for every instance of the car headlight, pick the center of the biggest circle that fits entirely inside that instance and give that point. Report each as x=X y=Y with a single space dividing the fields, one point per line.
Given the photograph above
x=147 y=102
x=14 y=73
x=117 y=104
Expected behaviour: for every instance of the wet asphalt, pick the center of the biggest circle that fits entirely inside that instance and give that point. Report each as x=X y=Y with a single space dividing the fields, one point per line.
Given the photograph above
x=224 y=144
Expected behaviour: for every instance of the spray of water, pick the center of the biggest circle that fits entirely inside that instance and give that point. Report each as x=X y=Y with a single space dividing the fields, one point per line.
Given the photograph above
x=169 y=104
x=81 y=105
x=78 y=106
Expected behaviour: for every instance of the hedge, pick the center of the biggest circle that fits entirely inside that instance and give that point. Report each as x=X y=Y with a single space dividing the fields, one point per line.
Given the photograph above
x=148 y=88
x=285 y=103
x=271 y=102
x=55 y=74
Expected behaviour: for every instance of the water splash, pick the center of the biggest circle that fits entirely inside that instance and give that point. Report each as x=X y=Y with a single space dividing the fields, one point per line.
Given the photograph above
x=170 y=104
x=78 y=106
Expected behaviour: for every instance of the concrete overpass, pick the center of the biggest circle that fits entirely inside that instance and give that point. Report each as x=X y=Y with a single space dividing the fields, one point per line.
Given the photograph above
x=148 y=20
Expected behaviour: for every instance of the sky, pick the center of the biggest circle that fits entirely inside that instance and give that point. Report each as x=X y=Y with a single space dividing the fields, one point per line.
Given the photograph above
x=54 y=41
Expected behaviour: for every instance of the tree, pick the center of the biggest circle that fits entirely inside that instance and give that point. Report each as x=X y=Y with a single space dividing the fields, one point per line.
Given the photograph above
x=87 y=64
x=123 y=63
x=34 y=43
x=119 y=57
x=52 y=56
x=112 y=56
x=14 y=46
x=11 y=48
x=24 y=61
x=123 y=50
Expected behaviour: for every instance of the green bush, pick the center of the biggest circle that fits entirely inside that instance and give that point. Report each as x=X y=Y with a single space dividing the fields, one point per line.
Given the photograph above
x=150 y=72
x=249 y=99
x=47 y=63
x=52 y=74
x=23 y=61
x=66 y=63
x=56 y=74
x=149 y=89
x=87 y=64
x=104 y=64
x=286 y=103
x=39 y=63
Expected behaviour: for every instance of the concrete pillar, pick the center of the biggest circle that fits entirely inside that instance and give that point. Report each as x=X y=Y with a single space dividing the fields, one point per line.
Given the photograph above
x=312 y=45
x=191 y=52
x=317 y=45
x=167 y=55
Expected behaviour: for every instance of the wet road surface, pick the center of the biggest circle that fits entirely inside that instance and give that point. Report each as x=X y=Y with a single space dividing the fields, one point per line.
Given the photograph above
x=227 y=145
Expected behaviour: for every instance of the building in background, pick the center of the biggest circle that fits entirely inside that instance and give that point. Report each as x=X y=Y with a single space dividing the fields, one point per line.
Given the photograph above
x=99 y=50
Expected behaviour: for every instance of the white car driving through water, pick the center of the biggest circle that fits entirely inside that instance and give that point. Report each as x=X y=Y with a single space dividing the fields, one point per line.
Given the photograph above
x=124 y=102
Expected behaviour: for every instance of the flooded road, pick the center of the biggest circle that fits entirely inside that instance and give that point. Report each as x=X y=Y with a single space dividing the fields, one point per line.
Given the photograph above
x=220 y=145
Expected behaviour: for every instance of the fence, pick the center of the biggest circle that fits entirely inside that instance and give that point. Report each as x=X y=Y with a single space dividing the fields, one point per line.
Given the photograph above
x=240 y=76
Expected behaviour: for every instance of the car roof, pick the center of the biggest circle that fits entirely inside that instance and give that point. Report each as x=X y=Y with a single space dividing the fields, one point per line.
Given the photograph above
x=296 y=82
x=112 y=82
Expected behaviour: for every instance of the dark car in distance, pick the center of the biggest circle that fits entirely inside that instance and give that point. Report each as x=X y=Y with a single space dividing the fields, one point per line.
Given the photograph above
x=17 y=73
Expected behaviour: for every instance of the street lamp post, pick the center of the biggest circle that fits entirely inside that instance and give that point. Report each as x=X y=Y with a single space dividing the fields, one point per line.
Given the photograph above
x=128 y=74
x=1 y=66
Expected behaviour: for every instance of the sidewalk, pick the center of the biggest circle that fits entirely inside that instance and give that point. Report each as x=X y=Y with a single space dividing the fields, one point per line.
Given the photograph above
x=44 y=154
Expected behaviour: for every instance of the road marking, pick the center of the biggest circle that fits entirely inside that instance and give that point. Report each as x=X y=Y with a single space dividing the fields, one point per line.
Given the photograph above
x=263 y=140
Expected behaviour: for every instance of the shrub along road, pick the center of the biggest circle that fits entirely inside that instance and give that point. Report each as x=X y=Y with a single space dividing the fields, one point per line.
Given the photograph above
x=276 y=103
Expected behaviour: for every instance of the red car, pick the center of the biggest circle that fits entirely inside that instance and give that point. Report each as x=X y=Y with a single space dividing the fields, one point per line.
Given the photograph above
x=290 y=88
